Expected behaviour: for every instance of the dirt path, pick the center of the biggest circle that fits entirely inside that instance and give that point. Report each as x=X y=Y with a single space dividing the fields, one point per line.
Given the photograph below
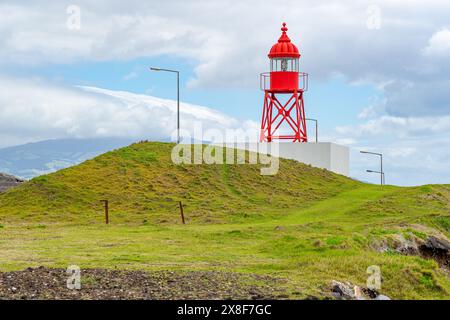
x=45 y=283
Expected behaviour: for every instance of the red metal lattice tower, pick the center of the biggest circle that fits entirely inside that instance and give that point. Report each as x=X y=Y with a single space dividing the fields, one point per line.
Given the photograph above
x=283 y=88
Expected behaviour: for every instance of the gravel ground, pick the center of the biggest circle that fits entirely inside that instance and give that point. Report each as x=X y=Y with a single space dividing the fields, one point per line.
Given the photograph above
x=45 y=283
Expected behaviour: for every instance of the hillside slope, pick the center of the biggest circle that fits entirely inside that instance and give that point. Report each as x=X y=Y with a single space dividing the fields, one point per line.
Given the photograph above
x=142 y=184
x=301 y=229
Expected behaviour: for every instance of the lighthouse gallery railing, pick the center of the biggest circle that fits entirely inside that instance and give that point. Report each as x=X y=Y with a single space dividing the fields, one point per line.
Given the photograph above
x=264 y=81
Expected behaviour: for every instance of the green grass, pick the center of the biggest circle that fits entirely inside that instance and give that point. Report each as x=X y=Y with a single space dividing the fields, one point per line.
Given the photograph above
x=307 y=225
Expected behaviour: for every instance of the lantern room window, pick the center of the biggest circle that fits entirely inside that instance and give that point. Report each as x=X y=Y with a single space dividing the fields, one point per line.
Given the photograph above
x=284 y=64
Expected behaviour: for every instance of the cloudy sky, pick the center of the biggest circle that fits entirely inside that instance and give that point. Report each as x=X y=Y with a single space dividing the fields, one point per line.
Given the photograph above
x=379 y=72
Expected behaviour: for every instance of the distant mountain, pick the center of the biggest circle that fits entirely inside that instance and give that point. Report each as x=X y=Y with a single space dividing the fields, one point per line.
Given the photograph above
x=34 y=159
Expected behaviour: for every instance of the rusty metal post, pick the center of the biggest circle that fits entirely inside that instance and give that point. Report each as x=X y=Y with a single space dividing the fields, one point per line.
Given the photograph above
x=106 y=210
x=181 y=211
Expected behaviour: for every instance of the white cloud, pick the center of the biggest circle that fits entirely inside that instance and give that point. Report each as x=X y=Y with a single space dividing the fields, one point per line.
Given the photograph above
x=406 y=161
x=228 y=41
x=368 y=112
x=439 y=44
x=399 y=127
x=415 y=149
x=48 y=111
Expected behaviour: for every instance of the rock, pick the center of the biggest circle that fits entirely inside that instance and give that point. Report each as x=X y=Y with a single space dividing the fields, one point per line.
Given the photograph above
x=347 y=291
x=7 y=181
x=437 y=248
x=404 y=246
x=380 y=246
x=371 y=293
x=382 y=297
x=359 y=294
x=436 y=243
x=342 y=290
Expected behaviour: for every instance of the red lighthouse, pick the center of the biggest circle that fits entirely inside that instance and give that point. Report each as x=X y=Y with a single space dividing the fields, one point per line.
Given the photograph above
x=283 y=111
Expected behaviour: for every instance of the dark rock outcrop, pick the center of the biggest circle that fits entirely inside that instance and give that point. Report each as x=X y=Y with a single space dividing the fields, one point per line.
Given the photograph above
x=348 y=291
x=435 y=243
x=7 y=181
x=437 y=248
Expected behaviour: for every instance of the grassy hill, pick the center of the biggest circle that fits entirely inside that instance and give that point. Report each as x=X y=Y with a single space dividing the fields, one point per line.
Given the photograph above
x=305 y=225
x=142 y=184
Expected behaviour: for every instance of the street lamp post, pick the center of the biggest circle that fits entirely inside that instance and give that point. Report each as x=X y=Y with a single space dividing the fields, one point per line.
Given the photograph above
x=178 y=97
x=317 y=130
x=381 y=172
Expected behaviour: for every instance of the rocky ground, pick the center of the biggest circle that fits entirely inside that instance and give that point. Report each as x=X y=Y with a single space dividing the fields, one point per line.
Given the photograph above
x=45 y=283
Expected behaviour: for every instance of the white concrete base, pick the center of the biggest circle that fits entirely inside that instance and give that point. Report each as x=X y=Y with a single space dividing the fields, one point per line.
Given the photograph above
x=324 y=155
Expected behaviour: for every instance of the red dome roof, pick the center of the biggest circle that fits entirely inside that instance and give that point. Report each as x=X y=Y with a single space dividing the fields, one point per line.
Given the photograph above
x=284 y=47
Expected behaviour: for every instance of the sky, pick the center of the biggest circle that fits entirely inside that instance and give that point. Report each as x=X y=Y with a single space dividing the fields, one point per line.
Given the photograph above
x=379 y=73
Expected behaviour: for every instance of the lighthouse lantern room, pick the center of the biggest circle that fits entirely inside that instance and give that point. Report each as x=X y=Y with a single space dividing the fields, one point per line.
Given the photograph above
x=283 y=115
